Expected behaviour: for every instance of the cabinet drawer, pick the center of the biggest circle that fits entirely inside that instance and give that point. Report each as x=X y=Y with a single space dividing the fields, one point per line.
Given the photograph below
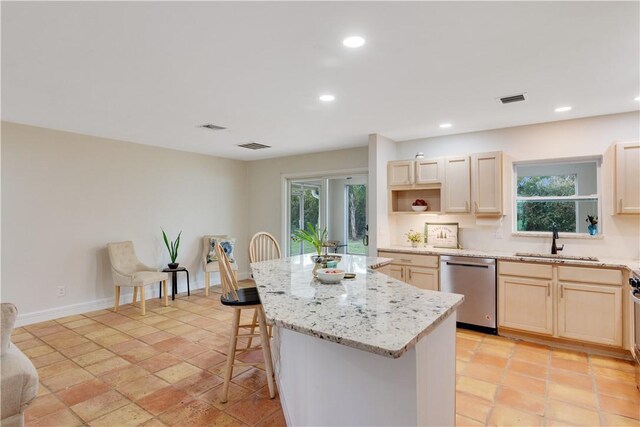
x=541 y=271
x=590 y=275
x=431 y=261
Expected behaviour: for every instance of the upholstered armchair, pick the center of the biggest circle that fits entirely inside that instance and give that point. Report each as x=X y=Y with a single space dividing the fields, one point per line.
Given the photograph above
x=127 y=270
x=210 y=266
x=19 y=377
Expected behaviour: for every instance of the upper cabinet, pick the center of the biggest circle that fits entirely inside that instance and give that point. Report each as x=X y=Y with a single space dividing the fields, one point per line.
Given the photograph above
x=457 y=185
x=627 y=185
x=429 y=171
x=486 y=178
x=400 y=173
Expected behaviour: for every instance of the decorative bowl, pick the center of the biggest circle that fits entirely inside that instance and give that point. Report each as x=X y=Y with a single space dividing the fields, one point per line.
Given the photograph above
x=419 y=208
x=330 y=275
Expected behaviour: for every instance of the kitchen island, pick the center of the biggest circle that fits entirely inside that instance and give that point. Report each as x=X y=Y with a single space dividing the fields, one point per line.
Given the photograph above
x=367 y=351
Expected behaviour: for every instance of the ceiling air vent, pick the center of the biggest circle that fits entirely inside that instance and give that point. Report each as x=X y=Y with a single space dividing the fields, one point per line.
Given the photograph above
x=212 y=127
x=254 y=146
x=512 y=98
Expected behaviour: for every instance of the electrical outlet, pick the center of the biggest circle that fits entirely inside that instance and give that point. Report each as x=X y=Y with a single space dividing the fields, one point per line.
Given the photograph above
x=61 y=291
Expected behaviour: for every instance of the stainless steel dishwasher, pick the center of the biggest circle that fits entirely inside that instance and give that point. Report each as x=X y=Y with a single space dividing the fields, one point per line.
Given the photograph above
x=475 y=278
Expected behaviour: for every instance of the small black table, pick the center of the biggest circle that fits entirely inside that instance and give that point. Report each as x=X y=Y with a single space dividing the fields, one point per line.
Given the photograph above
x=174 y=281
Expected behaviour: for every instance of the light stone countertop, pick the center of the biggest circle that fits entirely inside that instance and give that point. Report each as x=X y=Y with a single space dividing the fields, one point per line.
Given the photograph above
x=631 y=265
x=372 y=312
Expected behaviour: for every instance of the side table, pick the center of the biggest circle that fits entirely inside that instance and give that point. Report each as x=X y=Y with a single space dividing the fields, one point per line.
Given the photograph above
x=174 y=281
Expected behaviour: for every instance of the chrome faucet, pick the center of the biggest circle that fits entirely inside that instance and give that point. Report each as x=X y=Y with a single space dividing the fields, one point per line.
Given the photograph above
x=554 y=247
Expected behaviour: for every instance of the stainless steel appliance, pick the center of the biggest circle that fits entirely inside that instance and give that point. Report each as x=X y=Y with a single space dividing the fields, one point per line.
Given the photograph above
x=634 y=281
x=475 y=278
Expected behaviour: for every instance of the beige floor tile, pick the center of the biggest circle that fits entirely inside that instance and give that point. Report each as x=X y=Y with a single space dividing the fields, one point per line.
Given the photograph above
x=477 y=388
x=626 y=408
x=137 y=389
x=67 y=379
x=576 y=356
x=99 y=405
x=617 y=388
x=490 y=359
x=571 y=414
x=107 y=365
x=124 y=375
x=142 y=331
x=254 y=408
x=40 y=350
x=612 y=374
x=521 y=400
x=130 y=415
x=80 y=349
x=159 y=362
x=521 y=382
x=164 y=399
x=568 y=378
x=528 y=369
x=508 y=416
x=236 y=393
x=484 y=372
x=47 y=359
x=178 y=372
x=536 y=357
x=473 y=407
x=42 y=406
x=610 y=362
x=56 y=369
x=93 y=357
x=83 y=391
x=572 y=395
x=620 y=421
x=83 y=321
x=113 y=339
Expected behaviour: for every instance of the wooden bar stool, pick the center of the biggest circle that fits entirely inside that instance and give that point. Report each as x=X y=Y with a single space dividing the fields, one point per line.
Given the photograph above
x=242 y=299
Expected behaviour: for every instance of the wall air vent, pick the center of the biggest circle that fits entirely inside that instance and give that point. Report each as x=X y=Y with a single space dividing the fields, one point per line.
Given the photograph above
x=254 y=146
x=512 y=98
x=212 y=126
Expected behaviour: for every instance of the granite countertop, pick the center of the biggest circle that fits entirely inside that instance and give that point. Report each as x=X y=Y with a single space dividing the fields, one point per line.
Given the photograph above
x=631 y=265
x=372 y=312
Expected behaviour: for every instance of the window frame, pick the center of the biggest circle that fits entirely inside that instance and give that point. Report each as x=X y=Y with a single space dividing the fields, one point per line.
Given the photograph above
x=561 y=161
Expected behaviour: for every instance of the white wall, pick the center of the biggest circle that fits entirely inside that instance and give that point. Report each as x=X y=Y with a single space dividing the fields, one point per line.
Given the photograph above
x=265 y=182
x=381 y=226
x=571 y=138
x=65 y=195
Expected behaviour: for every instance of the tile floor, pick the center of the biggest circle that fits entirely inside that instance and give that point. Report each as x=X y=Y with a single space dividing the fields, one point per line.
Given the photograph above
x=166 y=368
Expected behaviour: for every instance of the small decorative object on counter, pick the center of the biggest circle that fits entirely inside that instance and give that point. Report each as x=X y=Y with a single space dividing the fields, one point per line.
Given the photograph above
x=593 y=224
x=172 y=247
x=442 y=235
x=420 y=205
x=414 y=237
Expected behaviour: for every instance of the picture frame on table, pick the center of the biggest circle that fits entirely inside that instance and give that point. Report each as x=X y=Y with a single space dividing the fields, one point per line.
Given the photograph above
x=442 y=234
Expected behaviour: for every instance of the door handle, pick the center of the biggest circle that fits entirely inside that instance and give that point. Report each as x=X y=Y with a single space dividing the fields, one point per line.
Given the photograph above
x=365 y=239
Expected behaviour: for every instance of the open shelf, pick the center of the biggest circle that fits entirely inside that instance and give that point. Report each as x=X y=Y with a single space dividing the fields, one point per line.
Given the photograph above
x=400 y=200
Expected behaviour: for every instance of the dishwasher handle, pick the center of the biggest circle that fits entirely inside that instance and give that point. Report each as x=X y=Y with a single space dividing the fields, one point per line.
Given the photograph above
x=460 y=264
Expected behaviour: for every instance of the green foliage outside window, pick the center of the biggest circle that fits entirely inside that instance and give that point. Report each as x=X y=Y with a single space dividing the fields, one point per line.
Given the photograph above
x=540 y=215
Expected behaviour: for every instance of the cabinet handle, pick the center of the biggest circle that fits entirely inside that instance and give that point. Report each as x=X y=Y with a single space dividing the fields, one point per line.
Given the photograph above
x=548 y=290
x=402 y=273
x=409 y=273
x=405 y=260
x=561 y=291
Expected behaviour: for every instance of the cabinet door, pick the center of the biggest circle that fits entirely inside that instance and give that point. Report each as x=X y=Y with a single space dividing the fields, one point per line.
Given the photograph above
x=591 y=313
x=525 y=304
x=486 y=180
x=429 y=171
x=457 y=184
x=628 y=178
x=423 y=278
x=400 y=173
x=396 y=271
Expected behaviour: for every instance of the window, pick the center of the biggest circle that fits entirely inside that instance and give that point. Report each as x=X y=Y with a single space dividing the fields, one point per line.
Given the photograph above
x=560 y=193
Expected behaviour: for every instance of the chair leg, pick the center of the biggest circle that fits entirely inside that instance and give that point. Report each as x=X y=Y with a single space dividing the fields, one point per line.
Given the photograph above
x=135 y=295
x=206 y=283
x=233 y=340
x=266 y=351
x=117 y=299
x=143 y=308
x=166 y=296
x=254 y=323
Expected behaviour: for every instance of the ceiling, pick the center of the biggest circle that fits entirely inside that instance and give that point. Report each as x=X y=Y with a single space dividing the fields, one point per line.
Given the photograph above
x=151 y=72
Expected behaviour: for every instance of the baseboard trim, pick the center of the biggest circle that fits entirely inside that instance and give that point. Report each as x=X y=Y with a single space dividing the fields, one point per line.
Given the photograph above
x=24 y=319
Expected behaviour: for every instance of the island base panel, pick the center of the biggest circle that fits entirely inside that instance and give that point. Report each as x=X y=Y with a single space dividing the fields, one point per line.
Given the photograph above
x=324 y=383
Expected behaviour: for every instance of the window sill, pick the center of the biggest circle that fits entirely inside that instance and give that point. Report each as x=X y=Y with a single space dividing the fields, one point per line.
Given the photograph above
x=547 y=235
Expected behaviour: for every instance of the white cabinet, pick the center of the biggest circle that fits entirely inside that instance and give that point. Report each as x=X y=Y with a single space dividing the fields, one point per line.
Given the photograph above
x=418 y=270
x=591 y=313
x=400 y=173
x=486 y=178
x=525 y=304
x=568 y=302
x=457 y=185
x=627 y=184
x=429 y=171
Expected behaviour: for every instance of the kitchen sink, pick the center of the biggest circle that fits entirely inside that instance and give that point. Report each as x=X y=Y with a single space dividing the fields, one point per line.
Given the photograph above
x=551 y=256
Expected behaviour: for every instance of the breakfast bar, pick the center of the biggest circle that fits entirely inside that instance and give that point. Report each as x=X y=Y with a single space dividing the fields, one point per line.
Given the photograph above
x=366 y=351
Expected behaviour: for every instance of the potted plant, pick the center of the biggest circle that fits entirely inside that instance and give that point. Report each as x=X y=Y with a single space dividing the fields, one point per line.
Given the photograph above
x=414 y=237
x=313 y=235
x=593 y=224
x=172 y=247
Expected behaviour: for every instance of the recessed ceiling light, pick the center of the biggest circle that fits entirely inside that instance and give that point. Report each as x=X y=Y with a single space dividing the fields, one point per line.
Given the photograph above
x=563 y=109
x=445 y=125
x=353 y=41
x=327 y=98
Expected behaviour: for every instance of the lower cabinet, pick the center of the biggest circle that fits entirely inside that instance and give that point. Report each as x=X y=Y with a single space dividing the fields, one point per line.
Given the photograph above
x=590 y=313
x=574 y=303
x=525 y=304
x=420 y=271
